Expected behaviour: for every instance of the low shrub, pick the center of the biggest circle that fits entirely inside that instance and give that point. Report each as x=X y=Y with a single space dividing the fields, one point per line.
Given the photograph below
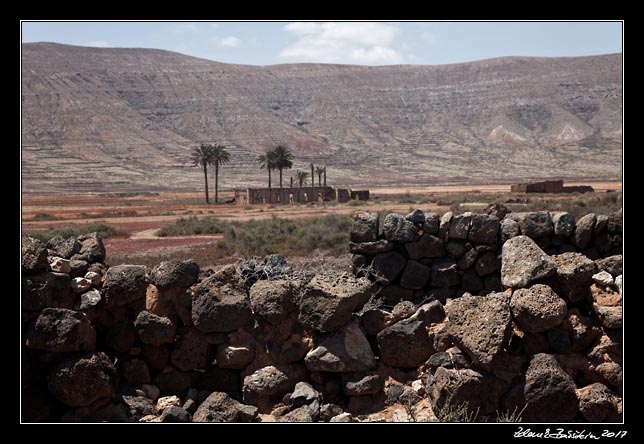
x=286 y=236
x=192 y=225
x=103 y=229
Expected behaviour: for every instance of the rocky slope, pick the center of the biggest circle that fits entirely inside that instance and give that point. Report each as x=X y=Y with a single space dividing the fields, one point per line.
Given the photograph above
x=98 y=118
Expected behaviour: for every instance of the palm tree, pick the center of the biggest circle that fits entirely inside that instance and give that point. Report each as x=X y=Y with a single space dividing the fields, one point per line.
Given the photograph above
x=312 y=175
x=319 y=171
x=202 y=156
x=283 y=159
x=219 y=156
x=301 y=176
x=267 y=161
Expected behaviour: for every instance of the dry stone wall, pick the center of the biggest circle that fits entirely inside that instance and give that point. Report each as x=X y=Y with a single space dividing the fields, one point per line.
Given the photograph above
x=438 y=314
x=419 y=256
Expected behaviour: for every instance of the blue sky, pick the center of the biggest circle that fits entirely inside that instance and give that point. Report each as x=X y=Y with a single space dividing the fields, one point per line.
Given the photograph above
x=364 y=43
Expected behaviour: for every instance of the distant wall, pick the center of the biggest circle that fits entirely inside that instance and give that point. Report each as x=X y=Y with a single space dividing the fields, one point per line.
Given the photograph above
x=290 y=195
x=360 y=195
x=578 y=189
x=549 y=186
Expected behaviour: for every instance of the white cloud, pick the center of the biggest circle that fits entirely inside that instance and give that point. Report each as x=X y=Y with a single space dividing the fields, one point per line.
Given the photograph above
x=98 y=44
x=228 y=41
x=186 y=28
x=428 y=38
x=358 y=43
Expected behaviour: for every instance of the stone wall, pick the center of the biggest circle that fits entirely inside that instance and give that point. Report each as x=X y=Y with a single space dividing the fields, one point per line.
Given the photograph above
x=548 y=186
x=419 y=256
x=259 y=341
x=286 y=195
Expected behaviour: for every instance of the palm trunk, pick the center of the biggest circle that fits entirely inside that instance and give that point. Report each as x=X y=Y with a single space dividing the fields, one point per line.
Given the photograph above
x=216 y=183
x=205 y=176
x=312 y=177
x=325 y=176
x=280 y=178
x=269 y=185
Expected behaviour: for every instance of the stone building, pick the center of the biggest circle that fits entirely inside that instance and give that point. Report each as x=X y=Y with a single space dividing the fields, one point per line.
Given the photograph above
x=550 y=186
x=285 y=195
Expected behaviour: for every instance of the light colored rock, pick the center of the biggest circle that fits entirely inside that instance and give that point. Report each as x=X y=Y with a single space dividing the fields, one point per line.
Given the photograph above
x=618 y=283
x=365 y=227
x=480 y=326
x=88 y=300
x=329 y=300
x=603 y=278
x=150 y=418
x=342 y=417
x=151 y=391
x=229 y=356
x=564 y=223
x=80 y=285
x=94 y=278
x=346 y=351
x=535 y=224
x=397 y=228
x=34 y=255
x=271 y=381
x=612 y=264
x=167 y=401
x=418 y=387
x=523 y=262
x=272 y=300
x=510 y=227
x=573 y=277
x=610 y=317
x=359 y=384
x=59 y=265
x=304 y=394
x=220 y=407
x=606 y=297
x=584 y=231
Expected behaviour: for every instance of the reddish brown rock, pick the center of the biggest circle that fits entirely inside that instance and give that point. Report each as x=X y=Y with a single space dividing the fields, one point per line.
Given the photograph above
x=596 y=402
x=60 y=330
x=81 y=381
x=537 y=308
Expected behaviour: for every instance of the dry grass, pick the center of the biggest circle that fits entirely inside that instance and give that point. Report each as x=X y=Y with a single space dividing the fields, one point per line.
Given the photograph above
x=103 y=229
x=510 y=417
x=459 y=413
x=302 y=237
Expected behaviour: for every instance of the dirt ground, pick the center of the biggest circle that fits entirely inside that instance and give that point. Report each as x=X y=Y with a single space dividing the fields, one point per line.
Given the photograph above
x=140 y=216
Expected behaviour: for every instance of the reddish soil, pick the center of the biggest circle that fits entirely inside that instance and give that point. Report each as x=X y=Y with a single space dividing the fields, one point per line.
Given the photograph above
x=139 y=216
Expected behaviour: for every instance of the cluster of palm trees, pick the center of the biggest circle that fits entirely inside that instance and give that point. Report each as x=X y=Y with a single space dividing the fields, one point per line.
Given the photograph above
x=279 y=158
x=206 y=155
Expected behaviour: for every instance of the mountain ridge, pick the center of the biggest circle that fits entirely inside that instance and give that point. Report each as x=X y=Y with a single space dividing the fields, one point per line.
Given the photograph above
x=121 y=118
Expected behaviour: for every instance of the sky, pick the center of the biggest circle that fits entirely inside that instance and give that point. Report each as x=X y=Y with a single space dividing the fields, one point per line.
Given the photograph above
x=361 y=43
